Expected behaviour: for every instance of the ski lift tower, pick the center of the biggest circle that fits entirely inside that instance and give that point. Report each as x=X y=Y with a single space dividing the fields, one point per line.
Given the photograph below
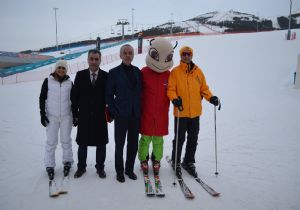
x=171 y=22
x=122 y=22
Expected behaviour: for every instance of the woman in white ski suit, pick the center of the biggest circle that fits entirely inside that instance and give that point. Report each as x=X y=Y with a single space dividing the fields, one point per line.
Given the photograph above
x=56 y=114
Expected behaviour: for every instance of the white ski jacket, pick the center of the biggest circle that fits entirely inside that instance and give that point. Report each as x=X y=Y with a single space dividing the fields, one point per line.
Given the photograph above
x=58 y=102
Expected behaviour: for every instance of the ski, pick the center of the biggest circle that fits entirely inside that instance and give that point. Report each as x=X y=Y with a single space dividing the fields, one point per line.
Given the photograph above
x=184 y=188
x=148 y=186
x=53 y=191
x=208 y=189
x=205 y=186
x=158 y=187
x=63 y=188
x=64 y=185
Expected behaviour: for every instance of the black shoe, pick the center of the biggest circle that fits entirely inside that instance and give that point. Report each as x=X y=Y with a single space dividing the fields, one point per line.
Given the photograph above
x=190 y=168
x=131 y=175
x=79 y=173
x=101 y=173
x=121 y=178
x=67 y=167
x=50 y=171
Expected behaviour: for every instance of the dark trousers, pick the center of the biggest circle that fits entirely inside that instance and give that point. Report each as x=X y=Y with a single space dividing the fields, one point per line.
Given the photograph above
x=191 y=126
x=100 y=156
x=123 y=126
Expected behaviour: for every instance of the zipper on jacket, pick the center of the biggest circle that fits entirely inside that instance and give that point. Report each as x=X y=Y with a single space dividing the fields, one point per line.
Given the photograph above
x=60 y=102
x=155 y=110
x=188 y=91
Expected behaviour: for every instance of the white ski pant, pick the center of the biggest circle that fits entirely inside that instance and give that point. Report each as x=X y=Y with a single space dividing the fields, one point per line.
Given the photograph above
x=63 y=127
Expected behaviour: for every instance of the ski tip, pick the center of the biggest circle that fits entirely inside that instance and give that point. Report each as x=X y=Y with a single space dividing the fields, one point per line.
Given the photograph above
x=191 y=197
x=54 y=195
x=216 y=194
x=63 y=192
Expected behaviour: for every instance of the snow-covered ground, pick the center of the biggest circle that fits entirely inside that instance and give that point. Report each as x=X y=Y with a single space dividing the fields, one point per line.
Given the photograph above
x=258 y=137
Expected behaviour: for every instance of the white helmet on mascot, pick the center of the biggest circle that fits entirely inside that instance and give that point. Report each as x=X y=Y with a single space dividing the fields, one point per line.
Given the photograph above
x=160 y=55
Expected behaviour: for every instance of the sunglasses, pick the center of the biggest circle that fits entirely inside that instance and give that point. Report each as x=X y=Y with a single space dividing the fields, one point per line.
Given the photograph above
x=186 y=54
x=61 y=67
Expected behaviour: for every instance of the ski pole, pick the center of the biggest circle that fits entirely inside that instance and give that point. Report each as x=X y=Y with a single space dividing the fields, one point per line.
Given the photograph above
x=215 y=117
x=176 y=147
x=180 y=108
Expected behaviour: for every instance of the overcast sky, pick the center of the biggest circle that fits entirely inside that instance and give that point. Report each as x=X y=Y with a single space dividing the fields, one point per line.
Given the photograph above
x=30 y=24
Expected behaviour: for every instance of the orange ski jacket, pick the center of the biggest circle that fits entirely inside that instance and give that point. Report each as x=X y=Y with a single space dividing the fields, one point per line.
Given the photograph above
x=191 y=87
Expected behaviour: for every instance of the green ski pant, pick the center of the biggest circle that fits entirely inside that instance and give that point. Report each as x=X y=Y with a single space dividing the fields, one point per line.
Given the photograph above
x=157 y=144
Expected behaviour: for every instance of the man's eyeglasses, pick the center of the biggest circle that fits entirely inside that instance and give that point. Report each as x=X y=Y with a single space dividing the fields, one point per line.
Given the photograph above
x=61 y=67
x=186 y=54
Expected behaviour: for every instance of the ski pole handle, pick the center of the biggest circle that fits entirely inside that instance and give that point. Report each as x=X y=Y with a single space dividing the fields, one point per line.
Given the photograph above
x=180 y=108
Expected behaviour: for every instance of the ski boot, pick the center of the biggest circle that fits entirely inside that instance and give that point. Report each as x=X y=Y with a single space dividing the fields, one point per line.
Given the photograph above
x=178 y=169
x=144 y=166
x=190 y=168
x=67 y=167
x=50 y=171
x=156 y=167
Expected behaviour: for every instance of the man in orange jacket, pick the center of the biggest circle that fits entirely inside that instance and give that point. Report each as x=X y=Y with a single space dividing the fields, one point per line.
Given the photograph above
x=186 y=89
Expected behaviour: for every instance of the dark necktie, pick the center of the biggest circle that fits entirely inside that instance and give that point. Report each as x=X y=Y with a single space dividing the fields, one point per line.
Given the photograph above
x=94 y=78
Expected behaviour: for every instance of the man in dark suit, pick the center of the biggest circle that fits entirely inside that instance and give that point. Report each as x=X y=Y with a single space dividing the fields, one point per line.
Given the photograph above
x=123 y=96
x=89 y=113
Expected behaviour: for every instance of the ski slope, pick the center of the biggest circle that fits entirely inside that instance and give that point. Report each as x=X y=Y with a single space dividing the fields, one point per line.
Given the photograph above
x=258 y=132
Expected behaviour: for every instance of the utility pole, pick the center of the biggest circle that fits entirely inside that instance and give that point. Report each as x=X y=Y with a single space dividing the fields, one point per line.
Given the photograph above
x=55 y=8
x=171 y=23
x=132 y=25
x=123 y=22
x=257 y=22
x=290 y=20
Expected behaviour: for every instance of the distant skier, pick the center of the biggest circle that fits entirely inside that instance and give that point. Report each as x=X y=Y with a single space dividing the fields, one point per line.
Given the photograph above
x=56 y=116
x=155 y=102
x=186 y=89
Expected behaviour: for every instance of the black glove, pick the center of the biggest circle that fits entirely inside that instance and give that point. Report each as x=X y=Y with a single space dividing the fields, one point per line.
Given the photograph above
x=214 y=100
x=177 y=102
x=44 y=120
x=75 y=121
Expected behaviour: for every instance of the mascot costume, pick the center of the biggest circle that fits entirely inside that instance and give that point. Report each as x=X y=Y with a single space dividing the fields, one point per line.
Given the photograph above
x=155 y=102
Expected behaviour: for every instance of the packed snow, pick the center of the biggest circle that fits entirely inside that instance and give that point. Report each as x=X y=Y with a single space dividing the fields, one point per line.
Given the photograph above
x=258 y=133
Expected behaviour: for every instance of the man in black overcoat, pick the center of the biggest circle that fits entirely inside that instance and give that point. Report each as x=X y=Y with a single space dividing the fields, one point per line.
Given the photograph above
x=89 y=113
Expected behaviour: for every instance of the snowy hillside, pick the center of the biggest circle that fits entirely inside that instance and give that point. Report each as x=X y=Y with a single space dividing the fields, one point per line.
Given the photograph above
x=258 y=137
x=225 y=16
x=220 y=21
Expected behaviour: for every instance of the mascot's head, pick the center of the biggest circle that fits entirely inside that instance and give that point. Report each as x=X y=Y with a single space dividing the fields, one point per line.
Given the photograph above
x=160 y=55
